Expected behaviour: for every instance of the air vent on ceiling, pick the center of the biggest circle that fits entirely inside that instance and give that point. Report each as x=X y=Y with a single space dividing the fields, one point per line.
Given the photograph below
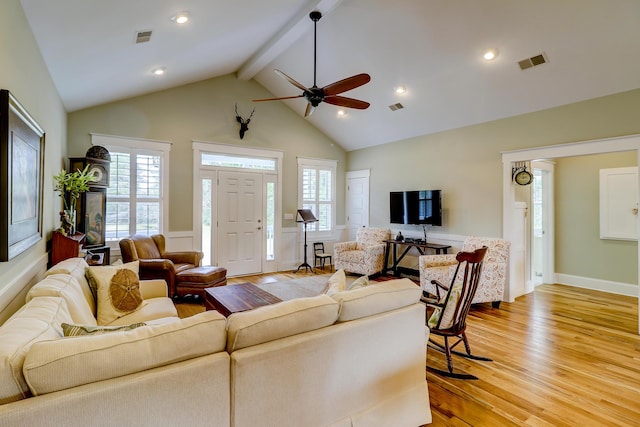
x=395 y=107
x=533 y=61
x=143 y=36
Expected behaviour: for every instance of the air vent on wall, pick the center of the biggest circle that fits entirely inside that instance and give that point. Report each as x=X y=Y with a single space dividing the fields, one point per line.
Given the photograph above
x=395 y=107
x=143 y=36
x=533 y=61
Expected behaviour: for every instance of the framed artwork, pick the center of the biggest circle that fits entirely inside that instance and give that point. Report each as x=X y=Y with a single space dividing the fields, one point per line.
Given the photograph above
x=92 y=218
x=21 y=178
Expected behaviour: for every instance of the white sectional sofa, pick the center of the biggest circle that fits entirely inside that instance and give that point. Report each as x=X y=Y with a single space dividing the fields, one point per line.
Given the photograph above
x=356 y=358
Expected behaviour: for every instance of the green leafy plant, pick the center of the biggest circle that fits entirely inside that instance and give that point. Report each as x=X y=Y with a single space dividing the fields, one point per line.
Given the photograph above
x=71 y=185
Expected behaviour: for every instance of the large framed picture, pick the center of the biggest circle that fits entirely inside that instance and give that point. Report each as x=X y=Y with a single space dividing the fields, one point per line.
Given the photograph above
x=21 y=178
x=94 y=205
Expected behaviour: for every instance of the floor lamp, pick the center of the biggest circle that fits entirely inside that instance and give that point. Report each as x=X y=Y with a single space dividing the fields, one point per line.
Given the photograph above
x=305 y=216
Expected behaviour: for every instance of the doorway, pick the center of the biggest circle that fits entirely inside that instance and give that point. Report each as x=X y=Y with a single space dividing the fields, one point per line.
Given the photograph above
x=609 y=145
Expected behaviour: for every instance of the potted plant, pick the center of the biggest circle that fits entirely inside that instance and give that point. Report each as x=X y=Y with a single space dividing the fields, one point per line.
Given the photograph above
x=71 y=185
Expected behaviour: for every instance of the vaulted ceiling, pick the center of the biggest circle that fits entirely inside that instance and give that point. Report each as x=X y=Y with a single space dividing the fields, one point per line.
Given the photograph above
x=431 y=47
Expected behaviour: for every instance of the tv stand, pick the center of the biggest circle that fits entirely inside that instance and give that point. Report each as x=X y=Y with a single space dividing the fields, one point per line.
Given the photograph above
x=408 y=244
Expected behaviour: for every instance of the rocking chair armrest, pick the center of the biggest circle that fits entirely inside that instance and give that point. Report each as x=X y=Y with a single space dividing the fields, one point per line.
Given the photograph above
x=430 y=301
x=438 y=287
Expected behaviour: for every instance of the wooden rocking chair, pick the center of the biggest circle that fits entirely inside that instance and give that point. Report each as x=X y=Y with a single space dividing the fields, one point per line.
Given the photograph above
x=449 y=313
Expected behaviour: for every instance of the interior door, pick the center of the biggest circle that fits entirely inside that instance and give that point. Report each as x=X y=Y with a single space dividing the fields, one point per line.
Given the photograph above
x=357 y=201
x=240 y=225
x=541 y=224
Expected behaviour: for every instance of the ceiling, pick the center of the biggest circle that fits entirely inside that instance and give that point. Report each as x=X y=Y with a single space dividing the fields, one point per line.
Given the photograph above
x=432 y=47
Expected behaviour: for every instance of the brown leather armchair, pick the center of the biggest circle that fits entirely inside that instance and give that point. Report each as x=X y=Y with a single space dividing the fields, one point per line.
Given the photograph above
x=155 y=261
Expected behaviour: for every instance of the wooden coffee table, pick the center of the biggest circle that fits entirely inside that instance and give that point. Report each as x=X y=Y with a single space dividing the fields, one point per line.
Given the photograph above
x=235 y=298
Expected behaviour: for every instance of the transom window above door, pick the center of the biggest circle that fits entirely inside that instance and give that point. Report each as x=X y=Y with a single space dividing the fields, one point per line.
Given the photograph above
x=240 y=162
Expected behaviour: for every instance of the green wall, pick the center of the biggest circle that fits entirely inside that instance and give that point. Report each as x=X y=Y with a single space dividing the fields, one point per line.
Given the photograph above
x=23 y=72
x=204 y=111
x=466 y=164
x=579 y=249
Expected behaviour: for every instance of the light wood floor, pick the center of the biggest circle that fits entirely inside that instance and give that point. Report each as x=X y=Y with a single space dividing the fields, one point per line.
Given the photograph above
x=563 y=356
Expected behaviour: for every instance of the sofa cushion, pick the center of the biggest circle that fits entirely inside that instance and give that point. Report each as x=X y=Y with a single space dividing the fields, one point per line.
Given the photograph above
x=78 y=330
x=152 y=309
x=279 y=320
x=77 y=267
x=118 y=291
x=68 y=362
x=67 y=287
x=376 y=298
x=360 y=282
x=337 y=282
x=38 y=320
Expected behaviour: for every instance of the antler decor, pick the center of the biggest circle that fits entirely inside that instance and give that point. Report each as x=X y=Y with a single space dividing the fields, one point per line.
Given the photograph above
x=244 y=124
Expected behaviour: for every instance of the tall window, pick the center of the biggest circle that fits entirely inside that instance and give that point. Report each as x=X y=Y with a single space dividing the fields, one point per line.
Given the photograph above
x=317 y=191
x=136 y=195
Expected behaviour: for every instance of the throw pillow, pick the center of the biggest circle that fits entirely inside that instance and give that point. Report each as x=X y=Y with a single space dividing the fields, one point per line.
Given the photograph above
x=118 y=291
x=337 y=282
x=360 y=282
x=450 y=308
x=77 y=330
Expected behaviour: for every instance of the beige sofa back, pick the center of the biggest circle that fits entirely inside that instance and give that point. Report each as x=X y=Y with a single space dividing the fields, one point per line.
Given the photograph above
x=367 y=370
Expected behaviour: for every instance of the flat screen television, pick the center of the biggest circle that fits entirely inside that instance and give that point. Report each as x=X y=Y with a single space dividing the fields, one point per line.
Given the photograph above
x=415 y=207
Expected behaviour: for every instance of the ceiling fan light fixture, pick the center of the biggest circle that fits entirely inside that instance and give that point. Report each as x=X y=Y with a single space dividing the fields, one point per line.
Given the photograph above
x=180 y=18
x=490 y=54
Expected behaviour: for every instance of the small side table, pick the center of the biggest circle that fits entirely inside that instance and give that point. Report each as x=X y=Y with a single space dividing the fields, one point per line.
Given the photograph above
x=98 y=255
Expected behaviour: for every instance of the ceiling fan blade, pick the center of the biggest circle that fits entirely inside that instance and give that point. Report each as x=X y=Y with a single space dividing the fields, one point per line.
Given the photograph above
x=347 y=84
x=343 y=101
x=310 y=109
x=277 y=99
x=290 y=80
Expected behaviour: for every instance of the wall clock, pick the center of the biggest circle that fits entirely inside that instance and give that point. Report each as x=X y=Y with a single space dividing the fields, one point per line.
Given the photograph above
x=520 y=174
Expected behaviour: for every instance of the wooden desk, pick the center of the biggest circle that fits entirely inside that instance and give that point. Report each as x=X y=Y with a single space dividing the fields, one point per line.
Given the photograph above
x=440 y=249
x=234 y=298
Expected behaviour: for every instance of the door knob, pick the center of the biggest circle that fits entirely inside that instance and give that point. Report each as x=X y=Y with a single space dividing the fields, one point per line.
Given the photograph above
x=259 y=228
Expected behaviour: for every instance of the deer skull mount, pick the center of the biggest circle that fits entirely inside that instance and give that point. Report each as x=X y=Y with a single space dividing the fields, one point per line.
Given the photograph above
x=244 y=124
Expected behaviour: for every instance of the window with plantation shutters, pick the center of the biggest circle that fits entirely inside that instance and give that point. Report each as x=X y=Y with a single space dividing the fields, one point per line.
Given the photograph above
x=137 y=194
x=316 y=181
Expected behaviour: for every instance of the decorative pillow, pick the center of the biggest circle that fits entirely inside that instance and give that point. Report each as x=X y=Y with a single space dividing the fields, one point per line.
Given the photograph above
x=118 y=291
x=360 y=282
x=77 y=330
x=447 y=317
x=337 y=282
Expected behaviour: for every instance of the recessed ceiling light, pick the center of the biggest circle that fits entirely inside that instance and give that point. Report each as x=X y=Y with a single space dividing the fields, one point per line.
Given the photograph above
x=181 y=18
x=400 y=90
x=341 y=113
x=158 y=71
x=490 y=54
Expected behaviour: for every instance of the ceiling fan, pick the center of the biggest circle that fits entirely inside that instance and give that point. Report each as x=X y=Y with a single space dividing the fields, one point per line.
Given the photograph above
x=329 y=93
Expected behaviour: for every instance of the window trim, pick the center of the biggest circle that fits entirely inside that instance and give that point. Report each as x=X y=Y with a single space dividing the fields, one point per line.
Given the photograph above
x=140 y=146
x=319 y=164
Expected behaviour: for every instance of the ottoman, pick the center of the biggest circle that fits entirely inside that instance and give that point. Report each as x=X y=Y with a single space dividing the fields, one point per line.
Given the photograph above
x=193 y=281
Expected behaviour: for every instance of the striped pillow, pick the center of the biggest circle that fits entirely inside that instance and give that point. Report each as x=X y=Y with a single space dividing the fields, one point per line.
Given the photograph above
x=77 y=330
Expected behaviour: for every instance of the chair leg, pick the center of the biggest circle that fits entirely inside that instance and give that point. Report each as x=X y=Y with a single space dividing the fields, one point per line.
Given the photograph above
x=447 y=352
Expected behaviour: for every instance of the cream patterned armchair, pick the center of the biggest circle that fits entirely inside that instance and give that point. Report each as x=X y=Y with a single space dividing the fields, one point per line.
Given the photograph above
x=494 y=269
x=365 y=255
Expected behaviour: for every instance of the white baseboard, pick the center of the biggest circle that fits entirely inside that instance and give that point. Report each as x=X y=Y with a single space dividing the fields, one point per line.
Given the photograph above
x=597 y=284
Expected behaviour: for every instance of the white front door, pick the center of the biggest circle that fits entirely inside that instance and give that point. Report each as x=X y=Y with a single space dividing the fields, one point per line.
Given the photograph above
x=240 y=225
x=357 y=201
